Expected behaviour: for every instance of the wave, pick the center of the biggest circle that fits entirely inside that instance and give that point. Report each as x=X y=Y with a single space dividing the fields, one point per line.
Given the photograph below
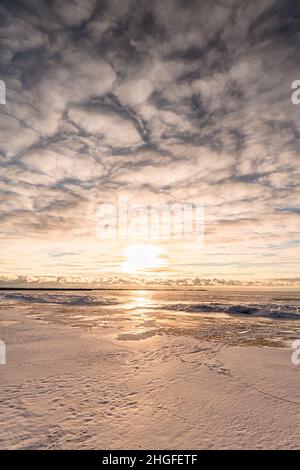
x=59 y=299
x=265 y=310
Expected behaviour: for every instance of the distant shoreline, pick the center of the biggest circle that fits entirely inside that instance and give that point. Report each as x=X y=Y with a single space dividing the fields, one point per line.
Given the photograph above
x=86 y=289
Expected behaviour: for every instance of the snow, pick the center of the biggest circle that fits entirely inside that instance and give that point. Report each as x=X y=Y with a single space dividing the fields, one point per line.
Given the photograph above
x=71 y=387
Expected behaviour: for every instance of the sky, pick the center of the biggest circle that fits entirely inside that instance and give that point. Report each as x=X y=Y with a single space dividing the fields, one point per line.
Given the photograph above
x=173 y=102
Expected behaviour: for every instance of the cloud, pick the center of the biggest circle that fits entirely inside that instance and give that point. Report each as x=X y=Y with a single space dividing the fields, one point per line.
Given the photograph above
x=164 y=102
x=56 y=166
x=139 y=282
x=113 y=129
x=74 y=12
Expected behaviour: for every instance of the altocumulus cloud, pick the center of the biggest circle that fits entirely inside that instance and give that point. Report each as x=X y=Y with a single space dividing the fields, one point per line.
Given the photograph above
x=164 y=101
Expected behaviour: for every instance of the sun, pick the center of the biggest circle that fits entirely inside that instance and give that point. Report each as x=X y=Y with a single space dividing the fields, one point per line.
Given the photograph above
x=142 y=257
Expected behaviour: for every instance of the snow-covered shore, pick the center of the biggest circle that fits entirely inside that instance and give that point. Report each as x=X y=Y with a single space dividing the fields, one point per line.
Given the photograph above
x=75 y=388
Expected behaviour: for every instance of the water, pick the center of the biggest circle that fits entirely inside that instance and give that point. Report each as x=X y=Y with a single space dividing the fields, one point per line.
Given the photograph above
x=268 y=303
x=221 y=316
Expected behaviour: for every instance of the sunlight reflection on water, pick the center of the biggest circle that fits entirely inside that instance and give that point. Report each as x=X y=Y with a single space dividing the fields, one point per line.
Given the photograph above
x=140 y=299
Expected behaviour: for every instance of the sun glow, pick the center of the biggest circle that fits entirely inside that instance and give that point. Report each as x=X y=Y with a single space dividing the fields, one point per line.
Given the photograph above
x=140 y=258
